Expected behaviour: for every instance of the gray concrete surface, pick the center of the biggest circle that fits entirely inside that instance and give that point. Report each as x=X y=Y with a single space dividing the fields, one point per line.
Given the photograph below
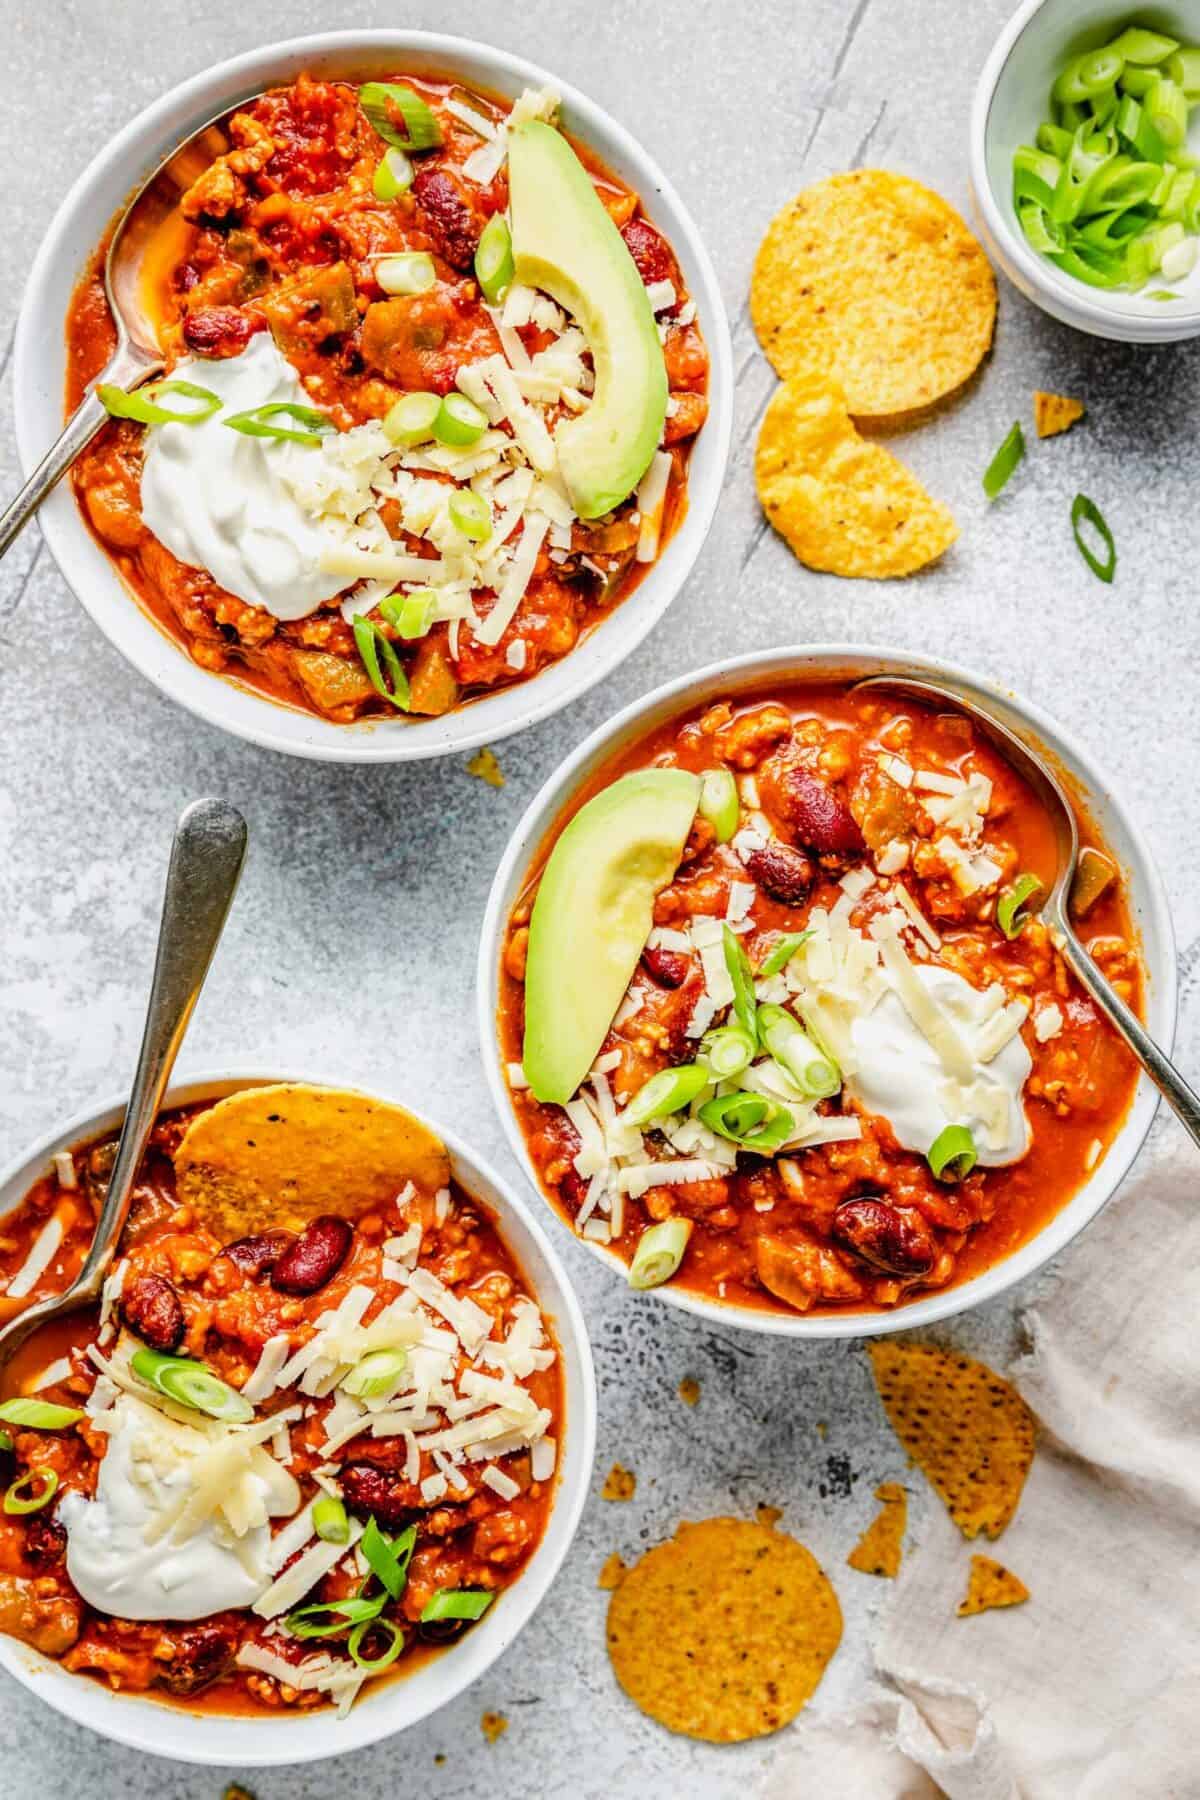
x=743 y=104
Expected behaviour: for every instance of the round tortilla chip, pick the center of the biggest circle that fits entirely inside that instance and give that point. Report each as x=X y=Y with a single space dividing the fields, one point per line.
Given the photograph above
x=282 y=1155
x=876 y=279
x=723 y=1632
x=968 y=1431
x=844 y=505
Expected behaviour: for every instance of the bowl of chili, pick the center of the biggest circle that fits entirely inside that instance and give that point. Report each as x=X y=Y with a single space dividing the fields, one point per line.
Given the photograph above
x=193 y=1691
x=346 y=307
x=812 y=1171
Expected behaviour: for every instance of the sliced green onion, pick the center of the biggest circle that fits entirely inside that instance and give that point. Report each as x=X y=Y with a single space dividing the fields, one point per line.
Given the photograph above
x=372 y=645
x=38 y=1415
x=388 y=1558
x=1167 y=110
x=191 y=1384
x=258 y=423
x=952 y=1154
x=456 y=1603
x=410 y=614
x=719 y=802
x=410 y=421
x=376 y=1664
x=667 y=1092
x=393 y=175
x=1036 y=173
x=1135 y=81
x=1137 y=130
x=1068 y=88
x=1184 y=70
x=331 y=1619
x=751 y=1121
x=1004 y=462
x=1103 y=106
x=1044 y=235
x=6 y=1443
x=470 y=514
x=745 y=1001
x=782 y=953
x=408 y=272
x=400 y=117
x=1086 y=511
x=330 y=1519
x=1138 y=45
x=1071 y=114
x=375 y=1374
x=494 y=267
x=1009 y=917
x=31 y=1492
x=805 y=1063
x=144 y=404
x=728 y=1051
x=659 y=1253
x=459 y=421
x=1054 y=141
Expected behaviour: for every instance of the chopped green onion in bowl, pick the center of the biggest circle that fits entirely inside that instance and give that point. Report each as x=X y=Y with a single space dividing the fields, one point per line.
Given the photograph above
x=470 y=513
x=459 y=421
x=745 y=1001
x=376 y=1374
x=1009 y=916
x=388 y=1558
x=659 y=1253
x=30 y=1492
x=751 y=1121
x=144 y=404
x=191 y=1384
x=384 y=667
x=456 y=1603
x=410 y=614
x=375 y=1665
x=667 y=1092
x=411 y=420
x=393 y=175
x=38 y=1415
x=791 y=1048
x=261 y=422
x=952 y=1154
x=400 y=116
x=406 y=272
x=330 y=1519
x=494 y=266
x=727 y=1051
x=330 y=1619
x=781 y=954
x=719 y=802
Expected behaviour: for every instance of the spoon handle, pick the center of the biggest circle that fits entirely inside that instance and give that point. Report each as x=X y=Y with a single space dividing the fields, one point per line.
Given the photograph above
x=206 y=861
x=1161 y=1070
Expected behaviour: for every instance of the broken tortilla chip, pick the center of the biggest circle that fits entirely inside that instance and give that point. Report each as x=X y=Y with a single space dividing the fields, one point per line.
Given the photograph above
x=689 y=1390
x=880 y=1548
x=486 y=767
x=1053 y=413
x=723 y=1632
x=619 y=1484
x=284 y=1154
x=844 y=505
x=877 y=281
x=991 y=1584
x=967 y=1430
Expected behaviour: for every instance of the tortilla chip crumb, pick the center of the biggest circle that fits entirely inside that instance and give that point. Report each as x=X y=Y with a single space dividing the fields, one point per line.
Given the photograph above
x=880 y=1548
x=822 y=1430
x=234 y=1792
x=484 y=764
x=493 y=1725
x=1053 y=413
x=768 y=1515
x=689 y=1390
x=619 y=1484
x=439 y=1757
x=991 y=1584
x=612 y=1574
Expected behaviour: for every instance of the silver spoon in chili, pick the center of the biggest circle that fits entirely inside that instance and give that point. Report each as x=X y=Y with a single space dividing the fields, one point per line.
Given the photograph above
x=202 y=877
x=986 y=712
x=138 y=354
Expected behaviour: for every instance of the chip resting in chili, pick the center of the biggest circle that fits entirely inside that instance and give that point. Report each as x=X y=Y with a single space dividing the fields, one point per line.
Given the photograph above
x=968 y=1431
x=845 y=505
x=723 y=1632
x=875 y=280
x=881 y=1546
x=990 y=1584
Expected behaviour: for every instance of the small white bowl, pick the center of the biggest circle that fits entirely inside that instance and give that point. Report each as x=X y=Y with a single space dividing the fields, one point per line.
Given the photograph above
x=261 y=1742
x=40 y=379
x=1011 y=101
x=826 y=662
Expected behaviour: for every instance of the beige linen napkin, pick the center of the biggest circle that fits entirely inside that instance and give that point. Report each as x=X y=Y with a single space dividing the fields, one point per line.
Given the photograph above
x=1091 y=1690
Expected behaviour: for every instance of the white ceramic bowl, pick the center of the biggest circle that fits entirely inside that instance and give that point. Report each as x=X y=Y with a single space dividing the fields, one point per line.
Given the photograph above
x=163 y=1730
x=1010 y=103
x=39 y=381
x=1147 y=899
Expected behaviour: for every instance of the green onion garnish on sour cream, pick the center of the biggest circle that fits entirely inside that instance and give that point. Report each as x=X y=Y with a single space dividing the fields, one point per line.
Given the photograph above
x=261 y=422
x=145 y=404
x=952 y=1154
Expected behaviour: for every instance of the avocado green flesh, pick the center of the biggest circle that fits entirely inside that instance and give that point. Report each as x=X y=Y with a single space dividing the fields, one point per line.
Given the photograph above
x=593 y=914
x=564 y=242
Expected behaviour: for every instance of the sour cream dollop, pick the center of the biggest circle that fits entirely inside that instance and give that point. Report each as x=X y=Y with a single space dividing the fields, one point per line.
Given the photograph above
x=148 y=1465
x=227 y=503
x=900 y=1076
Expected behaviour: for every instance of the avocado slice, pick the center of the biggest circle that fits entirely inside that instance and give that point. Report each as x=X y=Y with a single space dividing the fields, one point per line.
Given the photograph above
x=564 y=242
x=593 y=914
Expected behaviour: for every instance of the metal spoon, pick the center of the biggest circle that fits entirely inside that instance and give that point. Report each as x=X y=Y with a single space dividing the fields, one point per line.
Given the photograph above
x=138 y=354
x=987 y=713
x=206 y=861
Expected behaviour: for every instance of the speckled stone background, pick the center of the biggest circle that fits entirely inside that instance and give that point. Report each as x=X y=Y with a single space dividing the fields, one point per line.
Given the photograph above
x=742 y=104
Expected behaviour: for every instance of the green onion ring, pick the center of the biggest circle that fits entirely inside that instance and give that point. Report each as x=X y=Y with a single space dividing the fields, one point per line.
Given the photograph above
x=782 y=953
x=1004 y=462
x=330 y=1519
x=457 y=1603
x=952 y=1154
x=375 y=1374
x=459 y=421
x=393 y=175
x=745 y=1001
x=494 y=266
x=470 y=513
x=727 y=1051
x=191 y=1384
x=24 y=1497
x=142 y=404
x=316 y=1622
x=383 y=100
x=719 y=802
x=388 y=1558
x=659 y=1253
x=749 y=1120
x=375 y=1665
x=1009 y=917
x=409 y=614
x=1083 y=509
x=38 y=1415
x=372 y=644
x=257 y=423
x=667 y=1092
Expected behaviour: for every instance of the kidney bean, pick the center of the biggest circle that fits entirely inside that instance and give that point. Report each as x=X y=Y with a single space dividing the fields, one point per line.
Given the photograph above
x=786 y=874
x=822 y=819
x=253 y=1256
x=881 y=1236
x=573 y=1187
x=668 y=967
x=447 y=217
x=650 y=252
x=370 y=1490
x=153 y=1311
x=218 y=330
x=200 y=1655
x=45 y=1543
x=315 y=1257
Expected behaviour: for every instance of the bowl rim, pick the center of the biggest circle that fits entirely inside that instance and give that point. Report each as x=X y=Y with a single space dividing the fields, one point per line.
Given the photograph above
x=473 y=725
x=144 y=1725
x=1070 y=301
x=813 y=661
